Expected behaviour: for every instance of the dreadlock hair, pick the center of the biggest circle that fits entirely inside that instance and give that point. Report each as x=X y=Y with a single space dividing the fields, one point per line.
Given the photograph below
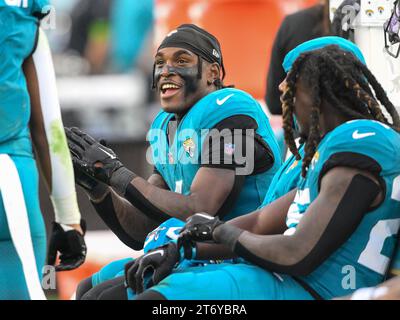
x=345 y=83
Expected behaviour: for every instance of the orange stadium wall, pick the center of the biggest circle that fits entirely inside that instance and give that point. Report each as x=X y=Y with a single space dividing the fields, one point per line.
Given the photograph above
x=245 y=28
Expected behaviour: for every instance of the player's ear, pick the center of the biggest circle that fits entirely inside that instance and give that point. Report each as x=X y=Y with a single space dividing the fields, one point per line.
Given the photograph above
x=213 y=73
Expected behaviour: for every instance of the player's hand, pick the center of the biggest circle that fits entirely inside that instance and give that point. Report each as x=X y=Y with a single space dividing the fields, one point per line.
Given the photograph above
x=151 y=268
x=91 y=159
x=200 y=227
x=95 y=189
x=87 y=182
x=69 y=242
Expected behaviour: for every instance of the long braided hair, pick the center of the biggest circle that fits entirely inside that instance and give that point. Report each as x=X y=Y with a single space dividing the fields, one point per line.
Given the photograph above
x=345 y=83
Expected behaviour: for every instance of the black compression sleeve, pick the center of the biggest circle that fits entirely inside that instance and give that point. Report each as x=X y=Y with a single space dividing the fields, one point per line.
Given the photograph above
x=105 y=210
x=137 y=199
x=340 y=227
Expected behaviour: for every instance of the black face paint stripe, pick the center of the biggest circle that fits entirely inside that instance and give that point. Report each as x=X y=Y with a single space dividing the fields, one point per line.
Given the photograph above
x=180 y=71
x=188 y=74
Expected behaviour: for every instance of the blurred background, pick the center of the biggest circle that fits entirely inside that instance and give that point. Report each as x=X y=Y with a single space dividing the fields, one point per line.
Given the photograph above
x=103 y=54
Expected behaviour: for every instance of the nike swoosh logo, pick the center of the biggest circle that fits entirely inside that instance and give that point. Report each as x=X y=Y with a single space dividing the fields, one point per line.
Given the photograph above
x=204 y=216
x=156 y=252
x=220 y=102
x=356 y=135
x=111 y=155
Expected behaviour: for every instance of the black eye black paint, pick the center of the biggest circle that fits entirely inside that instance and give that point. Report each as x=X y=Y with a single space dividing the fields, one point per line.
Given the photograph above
x=190 y=76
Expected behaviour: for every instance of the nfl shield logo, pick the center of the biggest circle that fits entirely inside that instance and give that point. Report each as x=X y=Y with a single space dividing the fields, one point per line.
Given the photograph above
x=229 y=149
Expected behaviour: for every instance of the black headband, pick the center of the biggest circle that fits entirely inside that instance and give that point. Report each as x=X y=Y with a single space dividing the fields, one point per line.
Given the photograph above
x=196 y=40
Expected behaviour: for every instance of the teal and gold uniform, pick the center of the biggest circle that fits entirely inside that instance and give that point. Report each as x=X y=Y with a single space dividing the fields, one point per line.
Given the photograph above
x=179 y=163
x=364 y=144
x=19 y=22
x=375 y=148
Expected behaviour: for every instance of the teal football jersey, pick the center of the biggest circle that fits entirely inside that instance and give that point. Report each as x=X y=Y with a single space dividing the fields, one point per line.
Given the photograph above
x=363 y=260
x=18 y=31
x=179 y=162
x=286 y=179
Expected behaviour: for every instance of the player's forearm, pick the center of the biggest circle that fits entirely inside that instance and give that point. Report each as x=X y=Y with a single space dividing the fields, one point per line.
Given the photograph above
x=270 y=248
x=323 y=228
x=48 y=134
x=246 y=222
x=129 y=224
x=163 y=204
x=207 y=251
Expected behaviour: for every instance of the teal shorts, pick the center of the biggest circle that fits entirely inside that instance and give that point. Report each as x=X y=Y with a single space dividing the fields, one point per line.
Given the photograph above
x=12 y=280
x=110 y=271
x=229 y=281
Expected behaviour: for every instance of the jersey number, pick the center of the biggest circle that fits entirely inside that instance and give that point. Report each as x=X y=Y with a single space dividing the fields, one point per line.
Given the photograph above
x=17 y=3
x=372 y=257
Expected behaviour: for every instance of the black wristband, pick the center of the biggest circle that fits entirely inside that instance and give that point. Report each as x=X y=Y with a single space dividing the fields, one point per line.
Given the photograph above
x=121 y=179
x=227 y=234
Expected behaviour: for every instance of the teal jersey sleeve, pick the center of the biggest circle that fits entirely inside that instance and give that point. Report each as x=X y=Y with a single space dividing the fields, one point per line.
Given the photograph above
x=21 y=8
x=363 y=144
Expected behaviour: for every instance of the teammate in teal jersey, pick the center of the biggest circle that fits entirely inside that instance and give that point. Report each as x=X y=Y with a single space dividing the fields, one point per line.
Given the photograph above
x=310 y=242
x=30 y=118
x=285 y=180
x=197 y=141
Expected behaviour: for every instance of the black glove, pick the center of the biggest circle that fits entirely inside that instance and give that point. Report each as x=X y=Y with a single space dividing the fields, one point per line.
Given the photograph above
x=200 y=227
x=94 y=188
x=92 y=158
x=82 y=179
x=71 y=246
x=151 y=268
